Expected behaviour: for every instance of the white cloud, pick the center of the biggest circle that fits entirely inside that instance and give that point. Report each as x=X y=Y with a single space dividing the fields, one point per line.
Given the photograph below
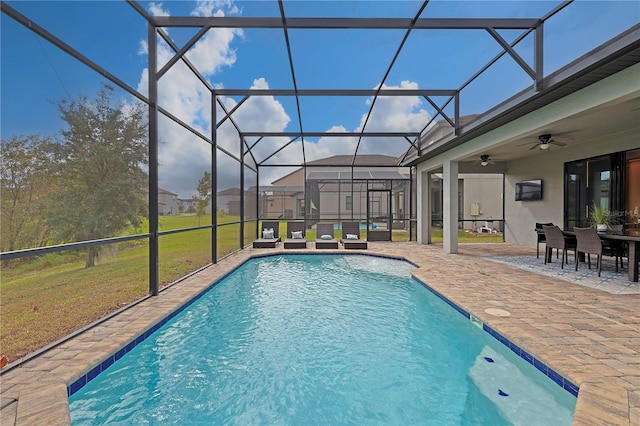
x=215 y=8
x=156 y=9
x=144 y=48
x=184 y=158
x=390 y=114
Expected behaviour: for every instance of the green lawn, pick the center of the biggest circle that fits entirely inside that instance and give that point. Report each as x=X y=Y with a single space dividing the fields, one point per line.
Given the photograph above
x=48 y=297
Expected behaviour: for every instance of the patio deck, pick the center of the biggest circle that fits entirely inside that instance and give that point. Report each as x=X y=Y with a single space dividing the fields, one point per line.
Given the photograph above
x=589 y=336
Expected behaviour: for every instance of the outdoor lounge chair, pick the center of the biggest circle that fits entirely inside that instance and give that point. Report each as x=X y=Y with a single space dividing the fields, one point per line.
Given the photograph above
x=296 y=238
x=272 y=240
x=324 y=236
x=351 y=236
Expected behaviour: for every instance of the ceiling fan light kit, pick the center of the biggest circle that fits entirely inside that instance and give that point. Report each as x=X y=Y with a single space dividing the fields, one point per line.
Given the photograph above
x=545 y=141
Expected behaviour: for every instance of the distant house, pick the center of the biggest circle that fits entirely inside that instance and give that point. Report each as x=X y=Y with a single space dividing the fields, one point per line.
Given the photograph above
x=332 y=196
x=187 y=205
x=228 y=201
x=337 y=189
x=168 y=203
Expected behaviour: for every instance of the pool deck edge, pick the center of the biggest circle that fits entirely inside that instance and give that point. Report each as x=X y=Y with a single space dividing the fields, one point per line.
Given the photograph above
x=590 y=338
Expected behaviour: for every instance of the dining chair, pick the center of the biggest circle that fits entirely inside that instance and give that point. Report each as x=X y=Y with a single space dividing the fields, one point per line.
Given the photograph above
x=589 y=243
x=617 y=249
x=555 y=240
x=540 y=236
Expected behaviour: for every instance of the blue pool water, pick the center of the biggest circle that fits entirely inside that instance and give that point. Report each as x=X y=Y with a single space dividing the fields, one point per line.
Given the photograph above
x=363 y=225
x=321 y=339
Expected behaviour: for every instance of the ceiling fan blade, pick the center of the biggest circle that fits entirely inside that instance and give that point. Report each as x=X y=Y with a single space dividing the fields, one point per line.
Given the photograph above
x=558 y=143
x=535 y=145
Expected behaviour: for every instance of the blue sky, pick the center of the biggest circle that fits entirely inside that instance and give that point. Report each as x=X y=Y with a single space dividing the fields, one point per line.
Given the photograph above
x=35 y=75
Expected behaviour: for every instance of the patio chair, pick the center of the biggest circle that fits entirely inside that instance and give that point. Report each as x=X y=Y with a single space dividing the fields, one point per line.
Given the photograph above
x=590 y=243
x=541 y=236
x=617 y=249
x=324 y=236
x=556 y=239
x=351 y=236
x=295 y=236
x=270 y=235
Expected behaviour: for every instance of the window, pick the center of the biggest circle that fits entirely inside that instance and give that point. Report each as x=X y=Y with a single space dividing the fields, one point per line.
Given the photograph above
x=349 y=202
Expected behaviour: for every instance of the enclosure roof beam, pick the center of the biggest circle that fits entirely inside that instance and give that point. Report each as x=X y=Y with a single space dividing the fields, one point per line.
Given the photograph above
x=336 y=92
x=346 y=23
x=331 y=134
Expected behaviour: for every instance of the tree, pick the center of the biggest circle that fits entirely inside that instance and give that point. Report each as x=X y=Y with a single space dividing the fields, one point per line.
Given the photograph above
x=25 y=191
x=102 y=163
x=204 y=195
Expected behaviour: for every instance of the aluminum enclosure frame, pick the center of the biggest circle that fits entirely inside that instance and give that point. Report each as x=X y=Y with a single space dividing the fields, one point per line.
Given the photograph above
x=155 y=29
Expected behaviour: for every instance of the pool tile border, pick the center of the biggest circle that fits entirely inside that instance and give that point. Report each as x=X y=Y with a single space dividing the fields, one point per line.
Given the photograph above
x=556 y=377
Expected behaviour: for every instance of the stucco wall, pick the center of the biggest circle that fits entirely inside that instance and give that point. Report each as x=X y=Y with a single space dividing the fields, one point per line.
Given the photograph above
x=521 y=216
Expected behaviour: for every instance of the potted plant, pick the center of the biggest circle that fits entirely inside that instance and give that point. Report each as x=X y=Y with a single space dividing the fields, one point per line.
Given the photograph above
x=600 y=217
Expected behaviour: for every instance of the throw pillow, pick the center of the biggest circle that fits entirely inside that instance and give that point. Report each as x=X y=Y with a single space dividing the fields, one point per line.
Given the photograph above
x=297 y=235
x=326 y=237
x=352 y=237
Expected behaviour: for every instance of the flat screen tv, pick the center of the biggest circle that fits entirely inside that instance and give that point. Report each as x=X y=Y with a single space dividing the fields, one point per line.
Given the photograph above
x=529 y=190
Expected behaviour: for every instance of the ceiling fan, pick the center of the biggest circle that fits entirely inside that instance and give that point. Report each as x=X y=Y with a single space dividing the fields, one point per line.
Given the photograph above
x=545 y=141
x=485 y=160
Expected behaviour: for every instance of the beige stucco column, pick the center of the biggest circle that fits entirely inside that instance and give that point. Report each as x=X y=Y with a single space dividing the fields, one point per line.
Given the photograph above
x=424 y=208
x=450 y=206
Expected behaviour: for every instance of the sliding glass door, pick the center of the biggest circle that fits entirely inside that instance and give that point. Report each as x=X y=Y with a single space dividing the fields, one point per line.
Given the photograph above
x=596 y=180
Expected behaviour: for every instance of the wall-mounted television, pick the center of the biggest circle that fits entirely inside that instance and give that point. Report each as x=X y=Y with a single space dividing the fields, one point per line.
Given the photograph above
x=529 y=190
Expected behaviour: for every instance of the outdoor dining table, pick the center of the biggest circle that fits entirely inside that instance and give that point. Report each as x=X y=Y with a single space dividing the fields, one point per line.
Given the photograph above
x=632 y=237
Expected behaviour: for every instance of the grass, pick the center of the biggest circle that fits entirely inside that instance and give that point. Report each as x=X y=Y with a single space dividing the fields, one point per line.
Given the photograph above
x=47 y=297
x=51 y=296
x=465 y=236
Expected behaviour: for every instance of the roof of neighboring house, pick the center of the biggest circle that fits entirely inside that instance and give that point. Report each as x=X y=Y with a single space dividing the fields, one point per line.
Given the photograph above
x=363 y=160
x=359 y=175
x=230 y=191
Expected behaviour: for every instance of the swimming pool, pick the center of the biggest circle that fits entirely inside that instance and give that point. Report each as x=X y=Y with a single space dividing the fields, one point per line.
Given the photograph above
x=321 y=339
x=362 y=225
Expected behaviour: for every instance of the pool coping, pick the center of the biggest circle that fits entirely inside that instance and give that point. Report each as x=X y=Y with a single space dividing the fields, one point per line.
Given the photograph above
x=87 y=354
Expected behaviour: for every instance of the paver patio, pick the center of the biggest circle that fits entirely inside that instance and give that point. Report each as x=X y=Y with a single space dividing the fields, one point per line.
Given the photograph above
x=589 y=336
